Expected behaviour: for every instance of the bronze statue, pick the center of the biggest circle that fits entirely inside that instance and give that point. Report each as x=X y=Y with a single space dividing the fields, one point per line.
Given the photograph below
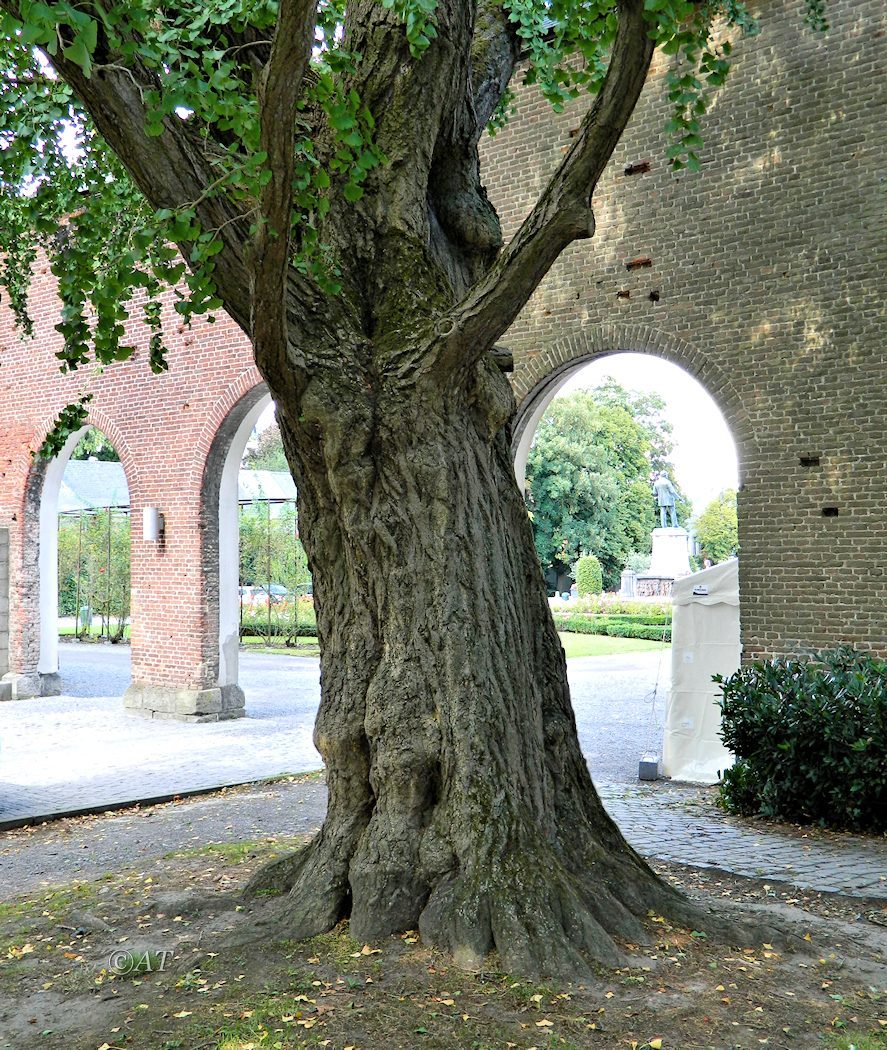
x=665 y=497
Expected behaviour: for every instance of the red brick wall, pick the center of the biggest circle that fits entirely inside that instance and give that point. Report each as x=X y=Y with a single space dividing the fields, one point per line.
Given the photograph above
x=162 y=428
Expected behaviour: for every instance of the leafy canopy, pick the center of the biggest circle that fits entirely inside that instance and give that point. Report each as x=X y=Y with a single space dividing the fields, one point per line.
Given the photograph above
x=200 y=63
x=717 y=529
x=588 y=477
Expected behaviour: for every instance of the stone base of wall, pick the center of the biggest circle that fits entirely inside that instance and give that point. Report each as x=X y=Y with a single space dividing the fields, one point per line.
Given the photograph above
x=184 y=705
x=5 y=691
x=26 y=686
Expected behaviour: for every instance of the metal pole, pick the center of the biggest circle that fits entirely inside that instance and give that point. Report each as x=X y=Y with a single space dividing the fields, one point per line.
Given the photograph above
x=106 y=622
x=240 y=583
x=295 y=582
x=269 y=569
x=79 y=571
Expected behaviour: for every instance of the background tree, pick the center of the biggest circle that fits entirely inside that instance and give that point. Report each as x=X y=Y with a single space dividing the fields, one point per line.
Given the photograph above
x=94 y=568
x=270 y=549
x=588 y=477
x=316 y=167
x=717 y=529
x=266 y=453
x=94 y=445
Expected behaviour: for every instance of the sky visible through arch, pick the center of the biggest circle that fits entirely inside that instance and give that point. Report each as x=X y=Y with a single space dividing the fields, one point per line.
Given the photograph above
x=704 y=454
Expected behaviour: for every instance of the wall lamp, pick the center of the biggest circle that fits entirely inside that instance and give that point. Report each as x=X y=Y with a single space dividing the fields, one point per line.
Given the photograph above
x=153 y=525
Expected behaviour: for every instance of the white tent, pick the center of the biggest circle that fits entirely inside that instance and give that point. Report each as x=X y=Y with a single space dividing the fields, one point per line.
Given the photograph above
x=705 y=641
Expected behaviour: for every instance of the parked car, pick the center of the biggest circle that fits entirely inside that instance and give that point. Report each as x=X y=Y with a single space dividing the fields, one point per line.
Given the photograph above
x=247 y=595
x=261 y=593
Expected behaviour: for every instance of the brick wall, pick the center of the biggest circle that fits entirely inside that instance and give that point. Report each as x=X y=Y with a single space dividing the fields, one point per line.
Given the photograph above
x=162 y=428
x=769 y=270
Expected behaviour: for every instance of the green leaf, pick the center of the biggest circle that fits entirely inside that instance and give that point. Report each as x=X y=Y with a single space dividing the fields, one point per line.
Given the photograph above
x=78 y=53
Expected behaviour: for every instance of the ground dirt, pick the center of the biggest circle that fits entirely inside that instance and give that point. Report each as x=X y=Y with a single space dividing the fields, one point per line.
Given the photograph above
x=176 y=924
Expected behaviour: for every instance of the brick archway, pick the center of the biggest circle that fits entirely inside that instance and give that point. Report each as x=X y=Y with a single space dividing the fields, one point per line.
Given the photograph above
x=538 y=377
x=749 y=284
x=220 y=533
x=34 y=613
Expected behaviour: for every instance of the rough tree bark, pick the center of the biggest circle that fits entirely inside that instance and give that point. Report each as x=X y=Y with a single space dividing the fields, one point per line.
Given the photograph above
x=460 y=803
x=459 y=799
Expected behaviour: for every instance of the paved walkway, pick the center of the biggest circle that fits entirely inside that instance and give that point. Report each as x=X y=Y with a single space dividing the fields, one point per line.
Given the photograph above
x=81 y=751
x=682 y=824
x=664 y=821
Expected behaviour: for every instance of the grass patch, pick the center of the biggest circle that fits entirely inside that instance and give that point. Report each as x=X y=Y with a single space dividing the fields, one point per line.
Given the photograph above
x=603 y=645
x=92 y=635
x=235 y=853
x=857 y=1041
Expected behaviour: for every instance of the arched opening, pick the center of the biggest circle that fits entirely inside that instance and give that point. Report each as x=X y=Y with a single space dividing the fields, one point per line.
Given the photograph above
x=632 y=719
x=84 y=550
x=222 y=496
x=223 y=468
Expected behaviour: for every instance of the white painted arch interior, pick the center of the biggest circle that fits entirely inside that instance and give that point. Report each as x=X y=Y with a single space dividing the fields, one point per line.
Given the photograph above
x=229 y=545
x=48 y=558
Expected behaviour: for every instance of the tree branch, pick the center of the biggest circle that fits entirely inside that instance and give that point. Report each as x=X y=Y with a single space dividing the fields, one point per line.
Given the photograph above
x=561 y=215
x=279 y=86
x=494 y=52
x=170 y=169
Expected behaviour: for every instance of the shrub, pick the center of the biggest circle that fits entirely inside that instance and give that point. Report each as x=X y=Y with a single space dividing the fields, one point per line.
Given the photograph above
x=652 y=628
x=810 y=737
x=289 y=619
x=589 y=575
x=637 y=561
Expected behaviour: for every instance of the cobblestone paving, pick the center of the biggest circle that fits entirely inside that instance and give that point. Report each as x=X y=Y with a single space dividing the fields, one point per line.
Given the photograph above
x=76 y=752
x=680 y=823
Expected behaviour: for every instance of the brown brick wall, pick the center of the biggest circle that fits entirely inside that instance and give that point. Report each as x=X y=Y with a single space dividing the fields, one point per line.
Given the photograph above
x=770 y=268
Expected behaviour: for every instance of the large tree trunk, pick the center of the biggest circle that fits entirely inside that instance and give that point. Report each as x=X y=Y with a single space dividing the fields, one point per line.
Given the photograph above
x=459 y=800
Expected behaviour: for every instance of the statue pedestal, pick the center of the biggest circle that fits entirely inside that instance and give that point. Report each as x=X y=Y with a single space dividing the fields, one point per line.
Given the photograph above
x=670 y=560
x=670 y=554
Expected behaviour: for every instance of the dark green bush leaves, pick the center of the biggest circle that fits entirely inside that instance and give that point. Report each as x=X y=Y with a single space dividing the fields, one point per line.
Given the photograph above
x=810 y=736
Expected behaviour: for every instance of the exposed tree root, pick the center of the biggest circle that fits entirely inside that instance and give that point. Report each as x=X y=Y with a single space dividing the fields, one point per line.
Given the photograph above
x=543 y=920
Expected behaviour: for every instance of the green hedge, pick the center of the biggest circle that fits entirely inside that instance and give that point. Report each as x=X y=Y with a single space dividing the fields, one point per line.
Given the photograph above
x=810 y=736
x=289 y=619
x=304 y=630
x=652 y=628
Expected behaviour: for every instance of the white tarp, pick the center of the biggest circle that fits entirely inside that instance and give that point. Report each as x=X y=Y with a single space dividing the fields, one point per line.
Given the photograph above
x=705 y=641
